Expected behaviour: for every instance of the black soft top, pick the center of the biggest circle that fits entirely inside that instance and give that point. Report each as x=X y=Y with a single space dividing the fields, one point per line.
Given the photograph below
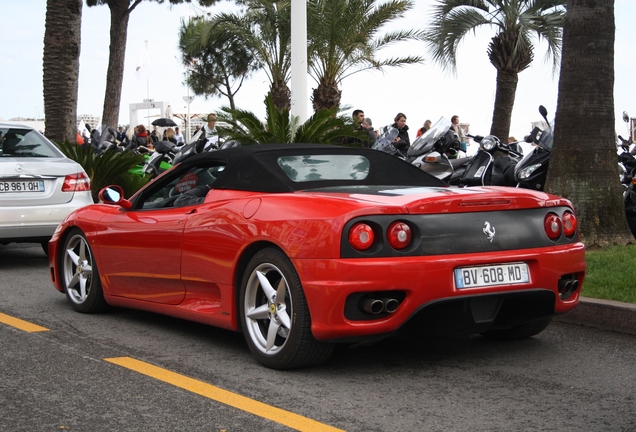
x=255 y=168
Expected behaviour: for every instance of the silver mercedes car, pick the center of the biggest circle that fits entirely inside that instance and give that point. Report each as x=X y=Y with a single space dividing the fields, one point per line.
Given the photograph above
x=39 y=186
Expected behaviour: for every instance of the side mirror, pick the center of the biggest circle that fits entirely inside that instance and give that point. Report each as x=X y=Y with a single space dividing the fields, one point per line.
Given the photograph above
x=534 y=136
x=114 y=195
x=625 y=117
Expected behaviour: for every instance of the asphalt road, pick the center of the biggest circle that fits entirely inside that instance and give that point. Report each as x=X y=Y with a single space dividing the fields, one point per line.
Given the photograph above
x=134 y=371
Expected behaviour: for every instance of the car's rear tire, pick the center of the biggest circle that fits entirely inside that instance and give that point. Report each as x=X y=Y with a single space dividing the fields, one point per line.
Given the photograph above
x=274 y=314
x=80 y=277
x=521 y=331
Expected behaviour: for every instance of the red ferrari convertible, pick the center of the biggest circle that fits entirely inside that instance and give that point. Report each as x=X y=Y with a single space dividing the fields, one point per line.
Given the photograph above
x=303 y=246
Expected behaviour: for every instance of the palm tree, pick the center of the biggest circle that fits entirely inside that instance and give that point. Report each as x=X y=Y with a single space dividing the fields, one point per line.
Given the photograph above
x=61 y=68
x=583 y=161
x=120 y=11
x=344 y=39
x=264 y=29
x=324 y=127
x=510 y=50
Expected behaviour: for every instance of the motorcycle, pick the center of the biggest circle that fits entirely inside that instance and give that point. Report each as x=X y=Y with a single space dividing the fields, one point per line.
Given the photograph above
x=103 y=139
x=385 y=142
x=493 y=164
x=160 y=160
x=437 y=152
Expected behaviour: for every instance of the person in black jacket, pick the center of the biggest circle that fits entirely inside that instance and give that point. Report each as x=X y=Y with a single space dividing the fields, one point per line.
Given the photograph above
x=402 y=142
x=365 y=137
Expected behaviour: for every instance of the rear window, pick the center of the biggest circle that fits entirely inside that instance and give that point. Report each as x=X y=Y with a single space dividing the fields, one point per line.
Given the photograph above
x=24 y=142
x=306 y=168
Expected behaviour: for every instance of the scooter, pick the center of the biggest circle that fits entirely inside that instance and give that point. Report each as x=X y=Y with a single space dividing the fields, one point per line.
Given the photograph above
x=532 y=170
x=437 y=152
x=626 y=162
x=493 y=164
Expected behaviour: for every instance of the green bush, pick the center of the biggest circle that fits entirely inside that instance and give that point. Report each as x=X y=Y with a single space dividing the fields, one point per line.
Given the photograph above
x=109 y=168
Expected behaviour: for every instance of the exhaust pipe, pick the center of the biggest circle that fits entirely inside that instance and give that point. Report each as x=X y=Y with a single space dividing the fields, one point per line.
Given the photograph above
x=568 y=286
x=390 y=305
x=565 y=286
x=372 y=306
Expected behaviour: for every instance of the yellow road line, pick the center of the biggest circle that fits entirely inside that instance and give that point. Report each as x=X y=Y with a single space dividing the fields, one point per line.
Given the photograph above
x=21 y=324
x=260 y=409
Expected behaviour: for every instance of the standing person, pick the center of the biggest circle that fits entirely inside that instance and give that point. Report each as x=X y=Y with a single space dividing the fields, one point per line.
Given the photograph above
x=368 y=124
x=169 y=135
x=458 y=130
x=364 y=136
x=209 y=134
x=154 y=135
x=402 y=142
x=179 y=136
x=141 y=138
x=423 y=129
x=121 y=135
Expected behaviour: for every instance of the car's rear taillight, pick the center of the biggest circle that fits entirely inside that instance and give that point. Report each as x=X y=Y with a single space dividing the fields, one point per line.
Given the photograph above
x=76 y=183
x=399 y=235
x=361 y=236
x=570 y=224
x=553 y=226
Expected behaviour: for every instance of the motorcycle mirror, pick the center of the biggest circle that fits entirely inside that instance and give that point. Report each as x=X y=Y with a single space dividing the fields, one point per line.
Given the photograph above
x=544 y=112
x=625 y=117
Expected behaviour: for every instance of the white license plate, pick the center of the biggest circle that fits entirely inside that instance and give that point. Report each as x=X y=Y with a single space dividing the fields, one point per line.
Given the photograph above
x=500 y=274
x=22 y=186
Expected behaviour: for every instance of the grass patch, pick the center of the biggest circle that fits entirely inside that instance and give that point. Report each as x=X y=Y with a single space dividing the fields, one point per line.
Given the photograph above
x=611 y=274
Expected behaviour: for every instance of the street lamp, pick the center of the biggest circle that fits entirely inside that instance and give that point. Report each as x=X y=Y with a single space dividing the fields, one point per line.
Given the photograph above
x=188 y=99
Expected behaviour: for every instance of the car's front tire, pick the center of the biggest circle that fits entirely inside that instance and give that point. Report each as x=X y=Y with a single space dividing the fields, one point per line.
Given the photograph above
x=274 y=314
x=80 y=277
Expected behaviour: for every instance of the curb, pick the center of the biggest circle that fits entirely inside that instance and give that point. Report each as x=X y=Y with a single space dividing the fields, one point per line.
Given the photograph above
x=602 y=314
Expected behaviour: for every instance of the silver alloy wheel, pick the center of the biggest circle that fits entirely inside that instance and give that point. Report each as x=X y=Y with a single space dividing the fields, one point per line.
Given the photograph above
x=78 y=269
x=267 y=308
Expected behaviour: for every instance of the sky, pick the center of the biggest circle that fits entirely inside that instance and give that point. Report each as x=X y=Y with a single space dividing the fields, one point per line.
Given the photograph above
x=421 y=92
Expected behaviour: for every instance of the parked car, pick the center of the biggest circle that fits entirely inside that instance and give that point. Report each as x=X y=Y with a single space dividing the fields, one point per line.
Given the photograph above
x=302 y=246
x=39 y=186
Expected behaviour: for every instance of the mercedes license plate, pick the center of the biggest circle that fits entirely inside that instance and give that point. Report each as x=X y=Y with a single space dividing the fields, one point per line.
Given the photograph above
x=500 y=274
x=21 y=186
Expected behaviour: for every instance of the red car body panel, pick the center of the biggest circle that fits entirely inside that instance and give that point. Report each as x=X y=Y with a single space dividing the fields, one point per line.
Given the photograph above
x=193 y=275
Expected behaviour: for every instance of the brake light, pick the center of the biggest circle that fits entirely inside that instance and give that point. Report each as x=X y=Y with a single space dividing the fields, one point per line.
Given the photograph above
x=361 y=236
x=76 y=183
x=569 y=223
x=399 y=235
x=553 y=226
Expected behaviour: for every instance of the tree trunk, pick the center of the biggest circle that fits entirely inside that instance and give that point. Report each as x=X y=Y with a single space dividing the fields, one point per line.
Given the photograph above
x=583 y=165
x=504 y=102
x=61 y=68
x=326 y=96
x=119 y=15
x=281 y=95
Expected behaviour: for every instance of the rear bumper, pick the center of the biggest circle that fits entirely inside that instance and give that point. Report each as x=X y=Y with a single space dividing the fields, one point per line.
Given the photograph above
x=427 y=289
x=20 y=224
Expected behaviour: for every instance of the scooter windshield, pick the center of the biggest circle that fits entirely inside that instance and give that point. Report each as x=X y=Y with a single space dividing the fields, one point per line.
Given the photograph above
x=547 y=138
x=426 y=141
